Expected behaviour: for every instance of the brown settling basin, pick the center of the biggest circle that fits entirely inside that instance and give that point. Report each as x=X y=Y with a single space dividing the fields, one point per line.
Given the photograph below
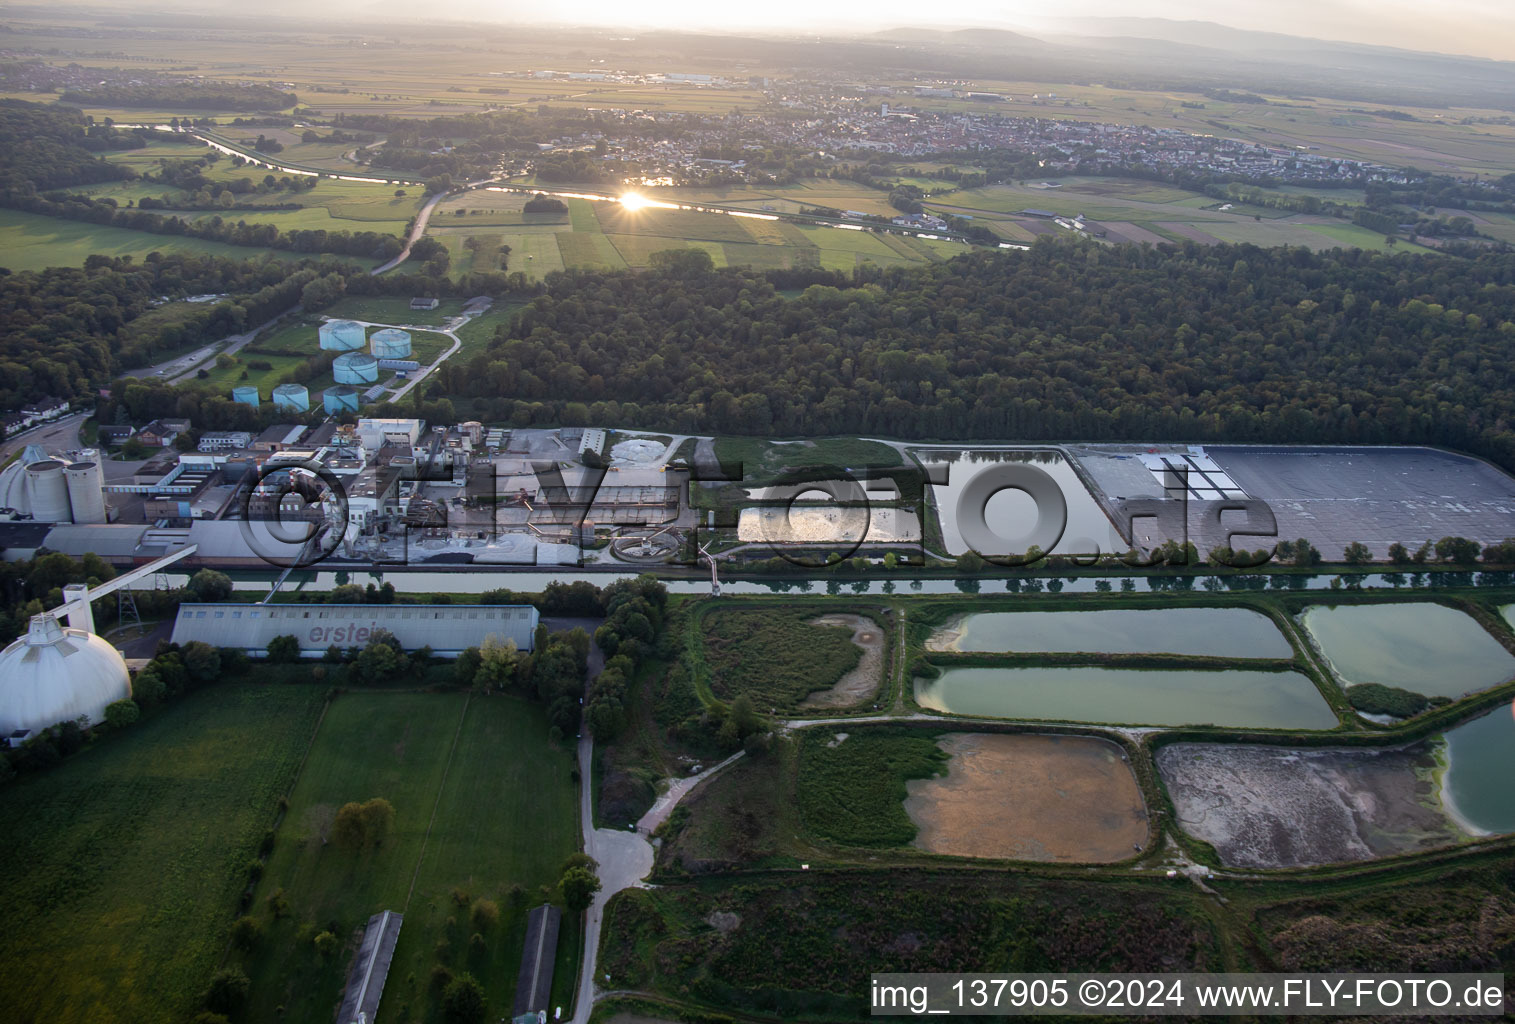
x=1026 y=797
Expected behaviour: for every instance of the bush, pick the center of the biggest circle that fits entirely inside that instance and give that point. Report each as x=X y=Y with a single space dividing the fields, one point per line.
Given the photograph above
x=325 y=945
x=209 y=585
x=122 y=713
x=245 y=933
x=485 y=915
x=463 y=1000
x=228 y=990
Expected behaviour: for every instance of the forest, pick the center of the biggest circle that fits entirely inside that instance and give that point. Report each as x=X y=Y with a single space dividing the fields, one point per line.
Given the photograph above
x=1068 y=341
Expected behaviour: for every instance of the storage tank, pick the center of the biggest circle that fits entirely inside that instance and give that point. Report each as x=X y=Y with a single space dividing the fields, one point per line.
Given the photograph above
x=390 y=343
x=355 y=368
x=86 y=491
x=340 y=399
x=292 y=396
x=246 y=394
x=341 y=336
x=49 y=492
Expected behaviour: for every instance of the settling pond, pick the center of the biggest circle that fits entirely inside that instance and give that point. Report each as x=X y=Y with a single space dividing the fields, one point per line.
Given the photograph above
x=1216 y=632
x=1479 y=784
x=1420 y=646
x=1235 y=698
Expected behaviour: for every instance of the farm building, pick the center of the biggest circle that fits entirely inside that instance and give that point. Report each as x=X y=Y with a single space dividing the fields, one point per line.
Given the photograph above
x=419 y=303
x=370 y=968
x=447 y=629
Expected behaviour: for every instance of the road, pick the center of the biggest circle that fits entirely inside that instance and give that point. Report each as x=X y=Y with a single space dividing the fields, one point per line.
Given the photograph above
x=624 y=859
x=419 y=227
x=182 y=368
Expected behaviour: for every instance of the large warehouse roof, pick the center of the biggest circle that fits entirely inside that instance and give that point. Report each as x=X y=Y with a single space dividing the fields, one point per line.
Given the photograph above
x=446 y=629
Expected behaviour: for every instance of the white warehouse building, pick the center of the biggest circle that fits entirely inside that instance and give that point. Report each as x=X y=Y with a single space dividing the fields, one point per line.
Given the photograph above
x=447 y=629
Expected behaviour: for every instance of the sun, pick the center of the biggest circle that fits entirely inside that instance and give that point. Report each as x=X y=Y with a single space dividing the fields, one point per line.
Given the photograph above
x=634 y=202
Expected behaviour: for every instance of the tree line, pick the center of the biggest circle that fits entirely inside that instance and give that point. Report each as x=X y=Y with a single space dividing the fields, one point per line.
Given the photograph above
x=1070 y=340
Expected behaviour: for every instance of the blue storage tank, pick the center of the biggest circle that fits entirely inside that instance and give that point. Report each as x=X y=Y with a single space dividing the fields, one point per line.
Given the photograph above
x=292 y=396
x=390 y=343
x=342 y=336
x=246 y=394
x=355 y=368
x=340 y=399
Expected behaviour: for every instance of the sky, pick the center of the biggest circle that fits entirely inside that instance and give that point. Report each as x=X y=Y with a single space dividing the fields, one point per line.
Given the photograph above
x=1484 y=28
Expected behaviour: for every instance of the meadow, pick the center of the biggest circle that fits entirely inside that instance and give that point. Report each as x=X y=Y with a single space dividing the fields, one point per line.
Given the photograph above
x=129 y=858
x=30 y=241
x=484 y=810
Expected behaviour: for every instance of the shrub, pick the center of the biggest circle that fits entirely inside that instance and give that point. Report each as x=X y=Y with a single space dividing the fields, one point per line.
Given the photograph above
x=463 y=1000
x=228 y=990
x=245 y=933
x=485 y=915
x=325 y=944
x=122 y=713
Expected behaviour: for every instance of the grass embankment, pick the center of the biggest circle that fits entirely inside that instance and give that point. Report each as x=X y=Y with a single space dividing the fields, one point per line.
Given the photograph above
x=127 y=861
x=484 y=810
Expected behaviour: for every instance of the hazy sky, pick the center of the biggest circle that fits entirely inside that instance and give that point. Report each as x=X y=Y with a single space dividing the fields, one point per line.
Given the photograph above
x=1484 y=28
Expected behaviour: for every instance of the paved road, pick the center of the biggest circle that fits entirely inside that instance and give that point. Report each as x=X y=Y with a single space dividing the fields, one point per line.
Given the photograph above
x=182 y=368
x=419 y=227
x=624 y=858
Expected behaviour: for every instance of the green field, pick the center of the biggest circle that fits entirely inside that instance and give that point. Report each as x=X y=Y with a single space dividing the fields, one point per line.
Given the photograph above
x=29 y=241
x=128 y=859
x=483 y=803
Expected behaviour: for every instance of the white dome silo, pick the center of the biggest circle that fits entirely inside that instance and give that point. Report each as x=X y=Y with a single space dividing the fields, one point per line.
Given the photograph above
x=58 y=674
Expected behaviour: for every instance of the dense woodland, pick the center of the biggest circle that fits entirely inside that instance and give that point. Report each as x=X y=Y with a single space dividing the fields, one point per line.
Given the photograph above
x=45 y=147
x=1068 y=341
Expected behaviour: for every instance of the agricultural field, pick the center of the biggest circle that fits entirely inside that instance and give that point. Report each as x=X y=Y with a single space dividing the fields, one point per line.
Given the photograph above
x=30 y=241
x=1144 y=211
x=434 y=757
x=775 y=658
x=134 y=855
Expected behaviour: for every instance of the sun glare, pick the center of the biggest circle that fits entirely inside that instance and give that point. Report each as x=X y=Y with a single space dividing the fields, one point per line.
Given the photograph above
x=634 y=202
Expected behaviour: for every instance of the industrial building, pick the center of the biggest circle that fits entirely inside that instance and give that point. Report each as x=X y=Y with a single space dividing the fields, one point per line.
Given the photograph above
x=390 y=343
x=294 y=397
x=447 y=629
x=54 y=489
x=355 y=368
x=341 y=336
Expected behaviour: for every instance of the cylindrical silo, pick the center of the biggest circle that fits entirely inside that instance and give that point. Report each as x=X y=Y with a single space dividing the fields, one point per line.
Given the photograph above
x=86 y=491
x=355 y=368
x=340 y=399
x=341 y=336
x=49 y=492
x=390 y=343
x=292 y=396
x=246 y=394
